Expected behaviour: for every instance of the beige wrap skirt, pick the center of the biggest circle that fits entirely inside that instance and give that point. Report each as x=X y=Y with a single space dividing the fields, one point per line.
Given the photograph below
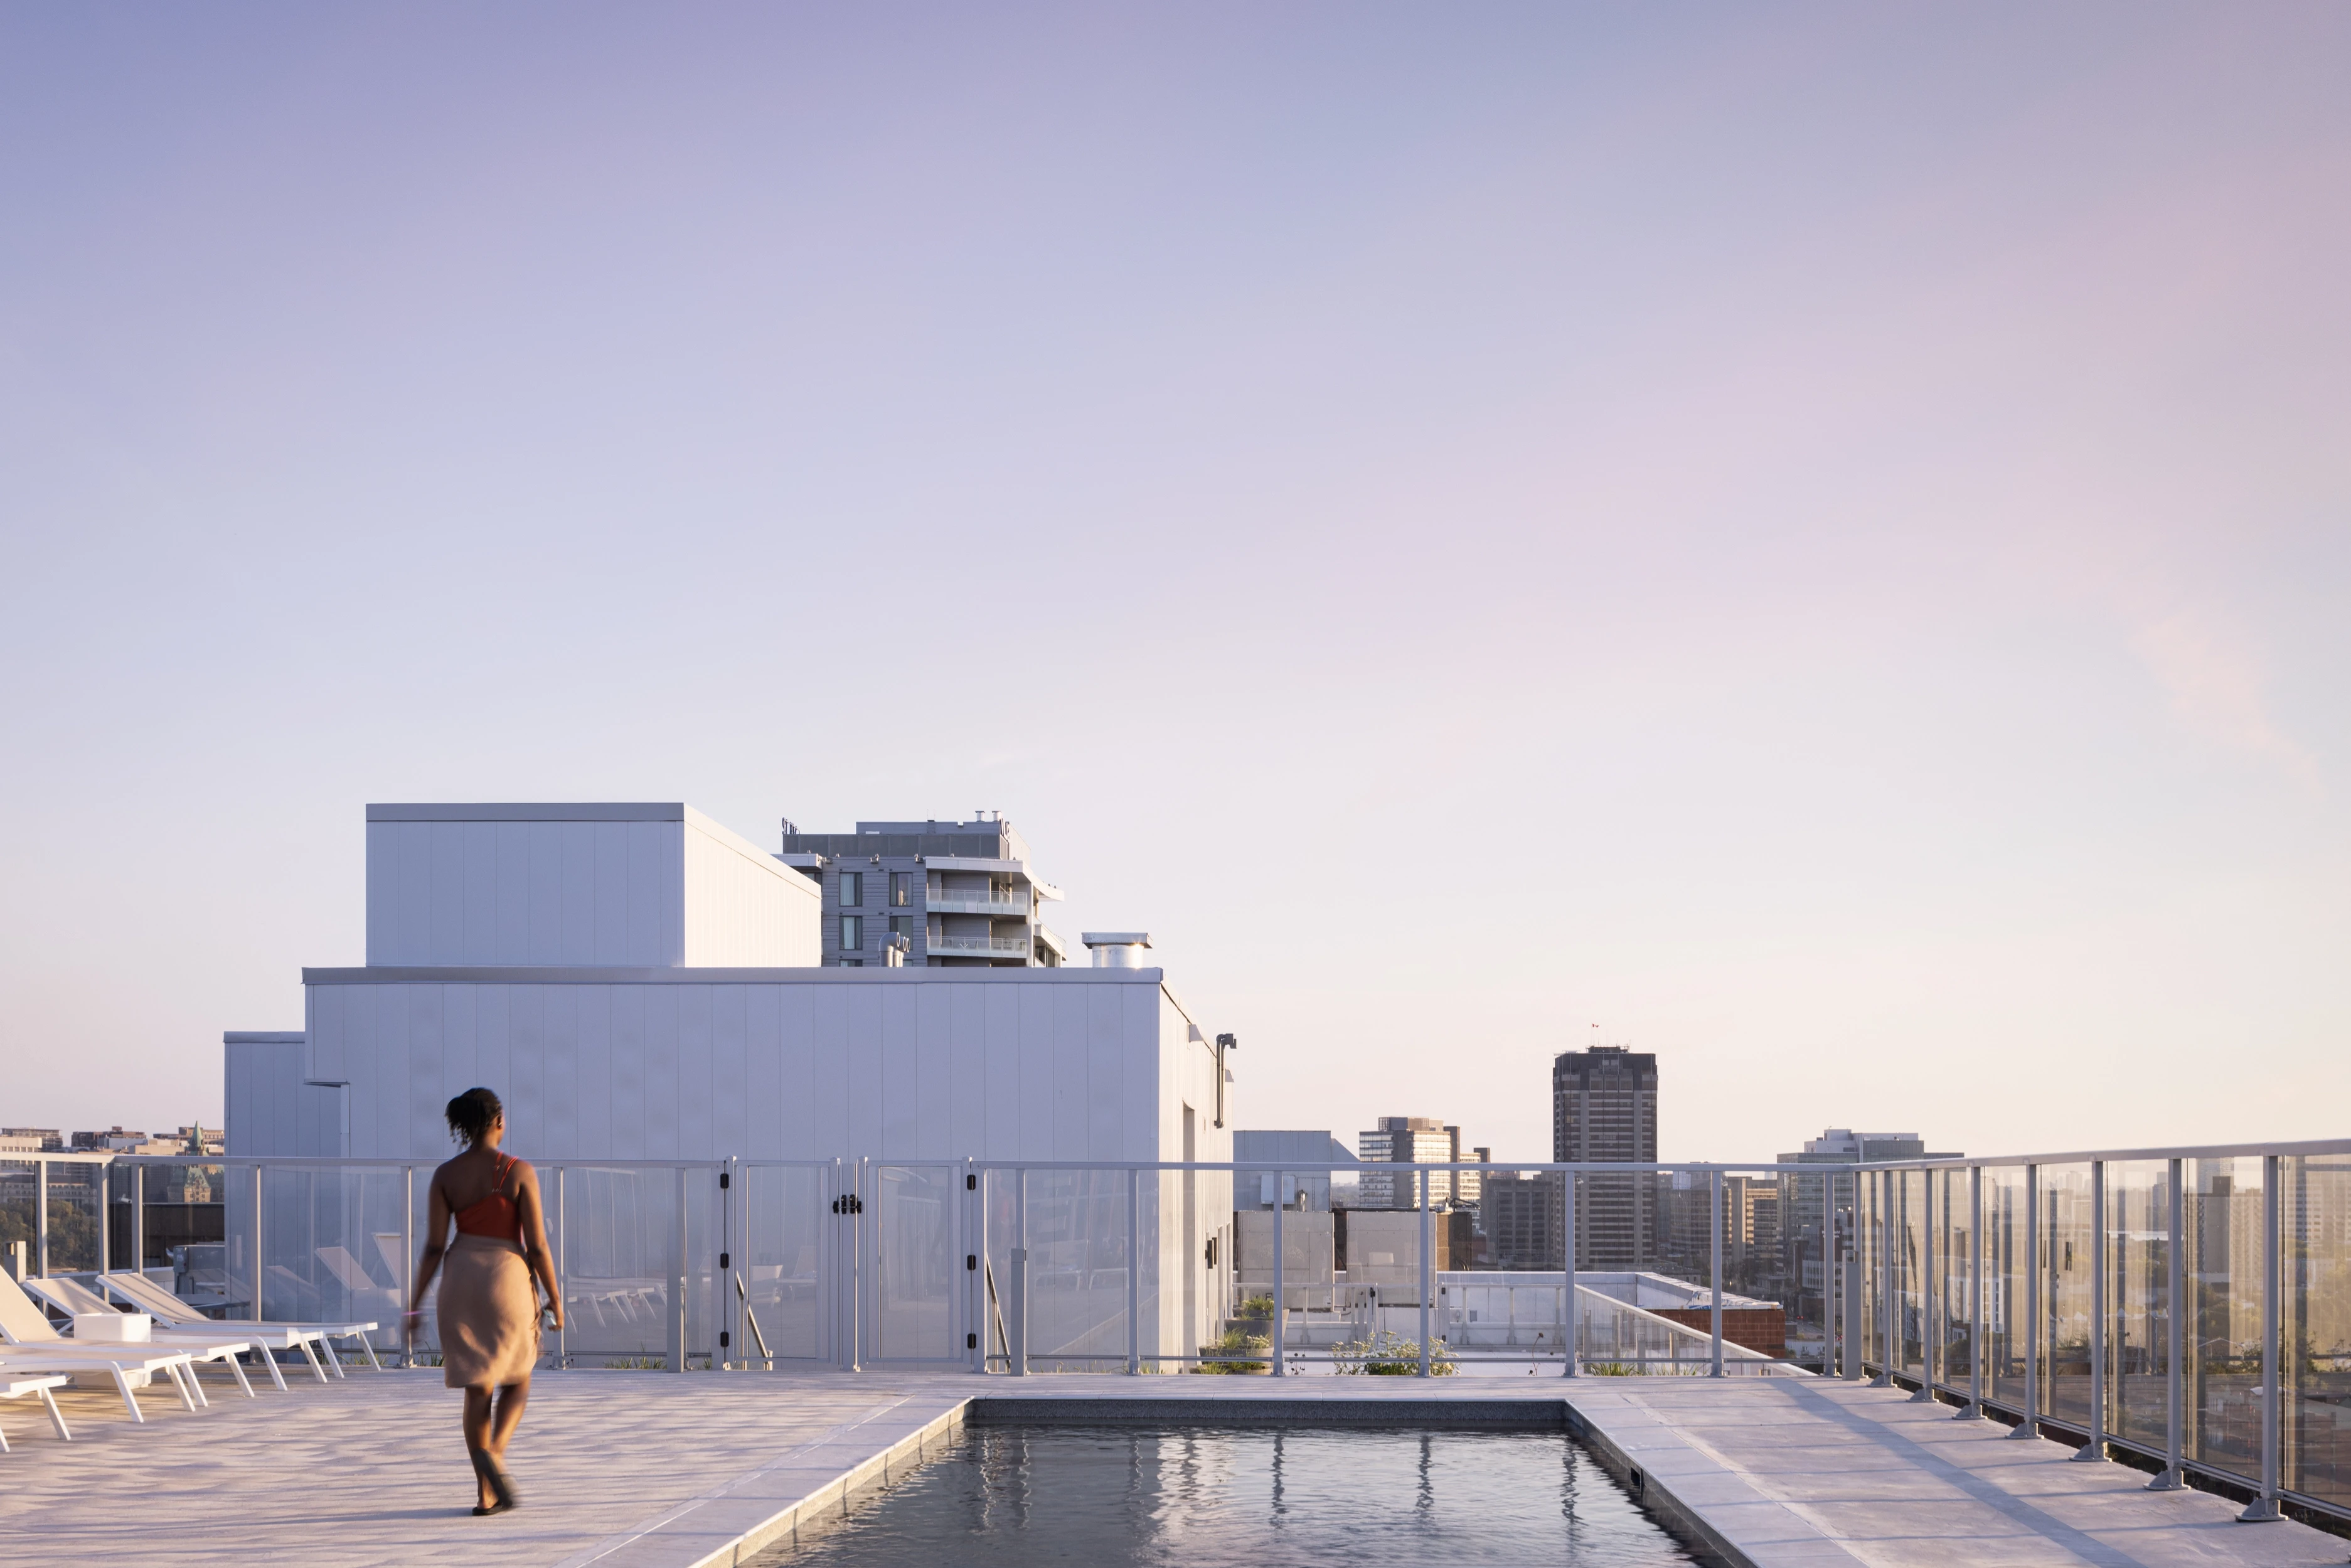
x=487 y=1314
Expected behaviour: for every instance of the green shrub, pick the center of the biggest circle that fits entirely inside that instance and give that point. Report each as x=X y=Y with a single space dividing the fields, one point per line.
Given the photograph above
x=1246 y=1343
x=1388 y=1354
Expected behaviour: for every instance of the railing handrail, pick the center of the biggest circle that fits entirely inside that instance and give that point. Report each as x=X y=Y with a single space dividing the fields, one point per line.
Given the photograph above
x=2288 y=1150
x=407 y=1162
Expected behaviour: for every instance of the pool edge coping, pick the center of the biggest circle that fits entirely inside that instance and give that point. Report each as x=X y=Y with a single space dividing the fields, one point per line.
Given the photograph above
x=1653 y=1496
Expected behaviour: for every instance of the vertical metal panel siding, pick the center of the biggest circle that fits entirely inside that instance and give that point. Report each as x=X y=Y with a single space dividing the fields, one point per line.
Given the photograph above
x=902 y=1073
x=763 y=1072
x=1105 y=1071
x=1035 y=1138
x=746 y=908
x=1068 y=1093
x=262 y=1080
x=999 y=1026
x=545 y=892
x=728 y=1065
x=902 y=1131
x=698 y=1078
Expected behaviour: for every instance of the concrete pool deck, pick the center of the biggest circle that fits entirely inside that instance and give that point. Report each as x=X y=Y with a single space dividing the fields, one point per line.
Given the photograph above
x=647 y=1470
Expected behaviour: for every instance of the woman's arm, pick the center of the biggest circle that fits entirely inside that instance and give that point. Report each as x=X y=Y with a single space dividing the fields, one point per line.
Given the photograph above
x=534 y=1237
x=436 y=1232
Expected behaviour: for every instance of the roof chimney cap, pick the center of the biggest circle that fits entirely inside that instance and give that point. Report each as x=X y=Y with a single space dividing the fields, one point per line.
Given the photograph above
x=1116 y=950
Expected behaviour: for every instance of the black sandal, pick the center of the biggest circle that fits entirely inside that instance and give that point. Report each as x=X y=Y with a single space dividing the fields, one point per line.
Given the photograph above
x=501 y=1485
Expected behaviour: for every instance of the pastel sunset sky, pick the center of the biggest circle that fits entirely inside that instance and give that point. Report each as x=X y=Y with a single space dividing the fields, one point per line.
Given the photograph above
x=1816 y=540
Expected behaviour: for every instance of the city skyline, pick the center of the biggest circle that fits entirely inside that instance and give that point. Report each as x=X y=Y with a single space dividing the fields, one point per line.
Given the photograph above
x=1843 y=510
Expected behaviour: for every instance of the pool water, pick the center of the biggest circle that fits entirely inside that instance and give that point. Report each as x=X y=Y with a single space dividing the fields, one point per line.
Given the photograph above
x=1208 y=1498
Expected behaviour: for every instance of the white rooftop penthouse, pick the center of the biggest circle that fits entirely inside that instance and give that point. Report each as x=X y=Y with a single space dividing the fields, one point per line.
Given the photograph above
x=637 y=983
x=655 y=886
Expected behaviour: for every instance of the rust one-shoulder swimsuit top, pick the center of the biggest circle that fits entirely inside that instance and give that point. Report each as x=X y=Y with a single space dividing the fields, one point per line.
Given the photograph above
x=496 y=1216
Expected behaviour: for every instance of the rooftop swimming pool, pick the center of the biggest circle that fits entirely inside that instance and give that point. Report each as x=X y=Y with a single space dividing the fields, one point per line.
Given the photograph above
x=1207 y=1497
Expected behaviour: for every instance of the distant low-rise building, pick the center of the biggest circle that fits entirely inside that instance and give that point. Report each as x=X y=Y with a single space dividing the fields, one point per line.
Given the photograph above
x=1308 y=1187
x=1805 y=1199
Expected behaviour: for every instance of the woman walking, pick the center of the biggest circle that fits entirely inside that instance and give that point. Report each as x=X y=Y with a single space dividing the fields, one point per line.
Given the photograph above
x=489 y=1314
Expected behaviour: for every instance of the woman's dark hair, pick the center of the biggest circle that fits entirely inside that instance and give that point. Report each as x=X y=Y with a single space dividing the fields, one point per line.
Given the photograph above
x=471 y=1114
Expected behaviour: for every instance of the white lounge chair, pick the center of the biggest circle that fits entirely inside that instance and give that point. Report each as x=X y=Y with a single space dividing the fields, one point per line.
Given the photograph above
x=33 y=1341
x=208 y=1343
x=143 y=1294
x=34 y=1347
x=17 y=1360
x=15 y=1385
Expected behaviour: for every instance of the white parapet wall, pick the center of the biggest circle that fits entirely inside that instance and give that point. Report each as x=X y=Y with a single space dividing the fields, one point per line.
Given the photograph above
x=653 y=885
x=903 y=1068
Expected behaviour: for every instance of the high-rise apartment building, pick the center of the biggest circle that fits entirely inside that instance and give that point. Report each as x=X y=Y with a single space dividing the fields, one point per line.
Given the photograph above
x=961 y=894
x=1415 y=1140
x=1605 y=1107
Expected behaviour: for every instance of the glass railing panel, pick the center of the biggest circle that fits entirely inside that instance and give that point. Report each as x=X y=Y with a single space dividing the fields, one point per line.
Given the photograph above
x=331 y=1246
x=913 y=1233
x=638 y=1244
x=19 y=1202
x=2067 y=1240
x=788 y=1270
x=76 y=1207
x=173 y=1219
x=1910 y=1303
x=2224 y=1252
x=2004 y=1281
x=1950 y=1314
x=1078 y=1263
x=1079 y=1260
x=2315 y=1326
x=2138 y=1301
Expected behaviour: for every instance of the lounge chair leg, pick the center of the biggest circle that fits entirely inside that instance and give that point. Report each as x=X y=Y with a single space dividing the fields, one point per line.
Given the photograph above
x=237 y=1370
x=130 y=1400
x=185 y=1375
x=56 y=1417
x=310 y=1349
x=370 y=1351
x=334 y=1358
x=3 y=1436
x=270 y=1360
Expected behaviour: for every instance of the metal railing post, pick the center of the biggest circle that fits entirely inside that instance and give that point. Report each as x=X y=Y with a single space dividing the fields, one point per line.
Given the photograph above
x=722 y=1355
x=1427 y=1267
x=1570 y=1336
x=105 y=1216
x=138 y=1219
x=1828 y=1283
x=1714 y=1272
x=1882 y=1276
x=2264 y=1508
x=2031 y=1425
x=677 y=1285
x=258 y=1314
x=976 y=1183
x=1017 y=1352
x=1133 y=1272
x=1973 y=1409
x=1280 y=1320
x=857 y=1267
x=2175 y=1312
x=407 y=1259
x=562 y=1276
x=41 y=1222
x=1930 y=1330
x=2095 y=1448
